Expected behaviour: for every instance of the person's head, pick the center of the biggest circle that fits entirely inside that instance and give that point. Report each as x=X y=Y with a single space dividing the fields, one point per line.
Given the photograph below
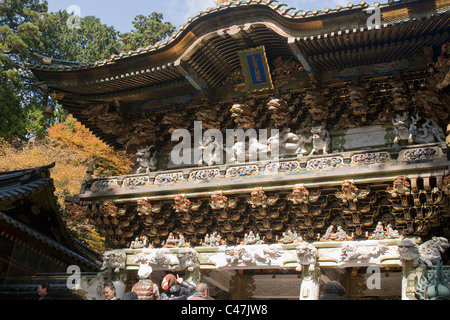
x=168 y=281
x=145 y=271
x=109 y=290
x=202 y=288
x=43 y=289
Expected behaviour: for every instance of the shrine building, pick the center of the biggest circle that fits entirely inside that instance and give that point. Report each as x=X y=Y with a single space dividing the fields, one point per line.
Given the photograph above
x=342 y=173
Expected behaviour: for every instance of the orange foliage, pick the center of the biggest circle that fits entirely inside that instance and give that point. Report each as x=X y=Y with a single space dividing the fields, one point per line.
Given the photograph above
x=72 y=147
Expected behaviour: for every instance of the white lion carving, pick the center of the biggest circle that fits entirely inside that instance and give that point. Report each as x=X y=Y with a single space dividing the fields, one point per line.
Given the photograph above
x=428 y=252
x=114 y=261
x=307 y=256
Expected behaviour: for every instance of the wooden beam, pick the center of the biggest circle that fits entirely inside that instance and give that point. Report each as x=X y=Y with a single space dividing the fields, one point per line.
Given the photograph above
x=192 y=76
x=302 y=59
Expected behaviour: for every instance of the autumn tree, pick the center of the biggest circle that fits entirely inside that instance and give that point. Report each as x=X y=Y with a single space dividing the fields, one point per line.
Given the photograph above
x=73 y=148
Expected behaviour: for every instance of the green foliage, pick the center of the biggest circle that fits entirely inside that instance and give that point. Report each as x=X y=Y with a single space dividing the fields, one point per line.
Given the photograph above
x=93 y=41
x=27 y=27
x=148 y=30
x=19 y=33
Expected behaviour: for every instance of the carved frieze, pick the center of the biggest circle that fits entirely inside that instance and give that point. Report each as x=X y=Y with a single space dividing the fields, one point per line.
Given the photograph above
x=371 y=158
x=242 y=171
x=325 y=163
x=204 y=175
x=282 y=167
x=169 y=178
x=418 y=154
x=101 y=185
x=134 y=182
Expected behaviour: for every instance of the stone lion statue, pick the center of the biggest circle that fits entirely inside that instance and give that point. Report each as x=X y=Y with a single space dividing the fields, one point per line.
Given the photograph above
x=307 y=256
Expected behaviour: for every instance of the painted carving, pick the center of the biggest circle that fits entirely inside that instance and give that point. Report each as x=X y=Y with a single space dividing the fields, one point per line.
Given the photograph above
x=380 y=233
x=339 y=235
x=184 y=205
x=210 y=115
x=316 y=105
x=109 y=209
x=371 y=158
x=434 y=285
x=220 y=201
x=109 y=121
x=325 y=163
x=243 y=115
x=169 y=178
x=321 y=140
x=285 y=67
x=401 y=187
x=400 y=100
x=213 y=240
x=245 y=151
x=145 y=208
x=157 y=258
x=242 y=171
x=139 y=243
x=358 y=103
x=446 y=184
x=174 y=242
x=350 y=193
x=420 y=154
x=301 y=195
x=258 y=198
x=251 y=239
x=280 y=112
x=290 y=237
x=443 y=67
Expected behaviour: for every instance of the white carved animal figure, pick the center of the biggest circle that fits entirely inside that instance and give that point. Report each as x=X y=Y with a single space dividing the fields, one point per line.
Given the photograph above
x=430 y=252
x=321 y=140
x=290 y=143
x=402 y=128
x=146 y=159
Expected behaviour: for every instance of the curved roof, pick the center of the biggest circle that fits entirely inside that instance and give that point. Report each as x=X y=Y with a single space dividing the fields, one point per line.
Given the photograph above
x=208 y=46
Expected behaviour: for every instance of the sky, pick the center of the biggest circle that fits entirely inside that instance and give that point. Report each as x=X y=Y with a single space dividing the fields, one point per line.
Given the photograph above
x=121 y=13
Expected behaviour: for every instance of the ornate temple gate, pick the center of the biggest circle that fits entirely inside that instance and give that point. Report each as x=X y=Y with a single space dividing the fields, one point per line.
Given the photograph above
x=361 y=113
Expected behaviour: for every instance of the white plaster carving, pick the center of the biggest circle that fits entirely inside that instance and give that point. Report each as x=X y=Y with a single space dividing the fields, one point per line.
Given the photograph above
x=307 y=256
x=114 y=261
